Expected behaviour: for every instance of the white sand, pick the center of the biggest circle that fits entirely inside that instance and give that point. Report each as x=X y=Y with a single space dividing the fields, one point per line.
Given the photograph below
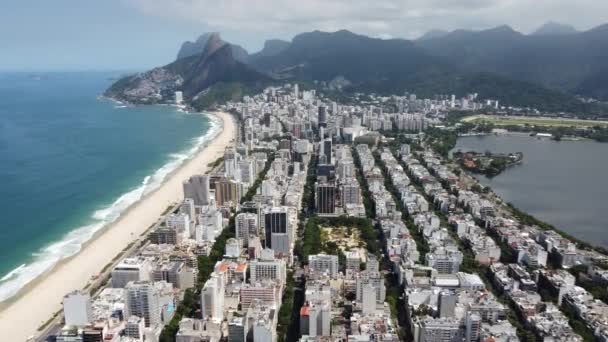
x=22 y=318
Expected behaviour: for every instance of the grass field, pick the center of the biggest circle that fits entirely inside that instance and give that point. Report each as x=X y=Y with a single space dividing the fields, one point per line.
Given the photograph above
x=532 y=121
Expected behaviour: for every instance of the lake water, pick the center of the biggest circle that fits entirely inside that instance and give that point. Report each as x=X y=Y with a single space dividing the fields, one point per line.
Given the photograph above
x=563 y=183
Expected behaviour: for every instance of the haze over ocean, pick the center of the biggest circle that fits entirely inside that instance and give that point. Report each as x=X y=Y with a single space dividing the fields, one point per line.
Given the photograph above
x=70 y=162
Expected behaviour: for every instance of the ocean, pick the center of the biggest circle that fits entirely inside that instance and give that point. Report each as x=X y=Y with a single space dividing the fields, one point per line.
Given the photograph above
x=71 y=162
x=562 y=183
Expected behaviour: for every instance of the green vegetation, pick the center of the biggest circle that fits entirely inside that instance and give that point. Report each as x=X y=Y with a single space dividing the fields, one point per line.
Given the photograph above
x=486 y=163
x=557 y=127
x=223 y=92
x=286 y=310
x=216 y=163
x=500 y=120
x=598 y=291
x=577 y=324
x=370 y=207
x=254 y=188
x=441 y=141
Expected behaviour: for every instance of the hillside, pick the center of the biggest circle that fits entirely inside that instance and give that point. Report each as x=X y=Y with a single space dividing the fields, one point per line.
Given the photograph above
x=395 y=66
x=567 y=62
x=191 y=75
x=391 y=66
x=197 y=47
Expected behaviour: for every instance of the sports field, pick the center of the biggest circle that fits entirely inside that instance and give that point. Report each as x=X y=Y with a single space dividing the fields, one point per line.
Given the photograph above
x=532 y=121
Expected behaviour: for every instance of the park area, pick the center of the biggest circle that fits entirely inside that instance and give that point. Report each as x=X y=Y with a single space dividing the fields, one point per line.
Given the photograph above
x=504 y=120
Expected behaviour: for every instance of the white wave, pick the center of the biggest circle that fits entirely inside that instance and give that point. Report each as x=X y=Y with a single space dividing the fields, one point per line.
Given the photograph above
x=72 y=242
x=10 y=274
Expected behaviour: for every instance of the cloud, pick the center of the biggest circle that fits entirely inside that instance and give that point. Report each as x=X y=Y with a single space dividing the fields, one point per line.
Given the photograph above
x=381 y=18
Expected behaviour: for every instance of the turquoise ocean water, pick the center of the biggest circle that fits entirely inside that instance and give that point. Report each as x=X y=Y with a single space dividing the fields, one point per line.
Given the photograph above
x=71 y=162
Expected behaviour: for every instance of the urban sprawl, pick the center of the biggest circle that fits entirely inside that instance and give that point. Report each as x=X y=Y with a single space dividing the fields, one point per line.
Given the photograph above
x=331 y=222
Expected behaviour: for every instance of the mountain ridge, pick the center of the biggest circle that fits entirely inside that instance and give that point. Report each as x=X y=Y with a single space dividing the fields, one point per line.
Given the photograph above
x=368 y=64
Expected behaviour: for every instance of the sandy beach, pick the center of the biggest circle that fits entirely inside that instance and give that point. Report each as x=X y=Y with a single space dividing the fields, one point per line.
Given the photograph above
x=42 y=299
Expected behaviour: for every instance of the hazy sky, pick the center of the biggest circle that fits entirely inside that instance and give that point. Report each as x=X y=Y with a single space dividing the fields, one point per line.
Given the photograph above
x=138 y=34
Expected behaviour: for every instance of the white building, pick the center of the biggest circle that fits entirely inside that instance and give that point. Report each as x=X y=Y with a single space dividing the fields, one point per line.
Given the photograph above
x=212 y=298
x=323 y=263
x=197 y=188
x=246 y=225
x=179 y=97
x=353 y=261
x=143 y=300
x=131 y=269
x=267 y=269
x=77 y=309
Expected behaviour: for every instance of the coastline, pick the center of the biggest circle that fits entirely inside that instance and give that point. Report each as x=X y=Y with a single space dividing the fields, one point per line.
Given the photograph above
x=18 y=280
x=17 y=317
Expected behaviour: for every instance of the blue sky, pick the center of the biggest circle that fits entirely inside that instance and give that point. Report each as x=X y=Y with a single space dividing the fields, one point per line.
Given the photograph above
x=44 y=35
x=48 y=35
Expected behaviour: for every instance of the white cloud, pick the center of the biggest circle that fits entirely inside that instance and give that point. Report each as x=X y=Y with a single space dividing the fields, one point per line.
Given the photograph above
x=382 y=18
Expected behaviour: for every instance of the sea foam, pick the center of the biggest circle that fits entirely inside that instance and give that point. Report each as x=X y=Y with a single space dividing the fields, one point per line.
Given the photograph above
x=72 y=243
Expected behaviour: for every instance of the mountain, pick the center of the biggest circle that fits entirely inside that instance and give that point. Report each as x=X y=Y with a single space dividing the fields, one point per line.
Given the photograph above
x=433 y=34
x=565 y=62
x=189 y=48
x=363 y=64
x=395 y=66
x=323 y=56
x=271 y=47
x=192 y=75
x=552 y=28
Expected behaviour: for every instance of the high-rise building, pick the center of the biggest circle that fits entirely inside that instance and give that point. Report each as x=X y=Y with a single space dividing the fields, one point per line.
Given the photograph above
x=350 y=193
x=246 y=225
x=134 y=328
x=180 y=222
x=373 y=279
x=142 y=300
x=77 y=309
x=368 y=299
x=327 y=149
x=179 y=97
x=445 y=260
x=325 y=198
x=277 y=229
x=353 y=261
x=267 y=269
x=212 y=298
x=446 y=304
x=247 y=169
x=131 y=269
x=323 y=263
x=263 y=319
x=231 y=163
x=315 y=318
x=439 y=330
x=227 y=191
x=322 y=116
x=238 y=327
x=197 y=188
x=268 y=291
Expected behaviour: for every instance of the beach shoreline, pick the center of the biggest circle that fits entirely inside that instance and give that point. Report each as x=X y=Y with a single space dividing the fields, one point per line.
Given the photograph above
x=38 y=301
